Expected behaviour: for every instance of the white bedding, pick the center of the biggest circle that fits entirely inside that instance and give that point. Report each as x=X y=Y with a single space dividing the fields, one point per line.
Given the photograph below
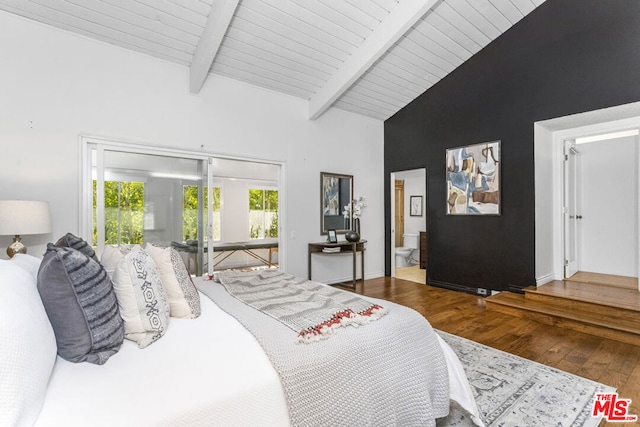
x=203 y=371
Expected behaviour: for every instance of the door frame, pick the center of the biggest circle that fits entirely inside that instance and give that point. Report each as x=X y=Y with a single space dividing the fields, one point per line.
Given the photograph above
x=392 y=205
x=400 y=208
x=559 y=138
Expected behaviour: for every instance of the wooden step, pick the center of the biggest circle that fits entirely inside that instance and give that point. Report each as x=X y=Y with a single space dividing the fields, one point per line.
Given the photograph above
x=594 y=294
x=612 y=326
x=612 y=307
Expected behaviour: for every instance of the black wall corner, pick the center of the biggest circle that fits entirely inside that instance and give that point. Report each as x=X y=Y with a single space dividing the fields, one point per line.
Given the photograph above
x=566 y=57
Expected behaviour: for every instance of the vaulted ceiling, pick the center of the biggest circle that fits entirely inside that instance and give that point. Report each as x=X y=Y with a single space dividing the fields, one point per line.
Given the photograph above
x=371 y=57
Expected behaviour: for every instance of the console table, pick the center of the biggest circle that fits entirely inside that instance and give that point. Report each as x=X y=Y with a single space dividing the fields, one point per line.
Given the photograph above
x=353 y=247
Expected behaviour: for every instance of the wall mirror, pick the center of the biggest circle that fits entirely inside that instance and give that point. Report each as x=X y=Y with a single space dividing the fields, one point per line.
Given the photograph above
x=336 y=191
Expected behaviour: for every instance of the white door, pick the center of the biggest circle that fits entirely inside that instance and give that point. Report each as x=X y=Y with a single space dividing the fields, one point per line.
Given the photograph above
x=570 y=208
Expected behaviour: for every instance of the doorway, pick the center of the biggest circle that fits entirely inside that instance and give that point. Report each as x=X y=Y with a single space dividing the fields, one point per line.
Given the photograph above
x=549 y=138
x=600 y=194
x=408 y=185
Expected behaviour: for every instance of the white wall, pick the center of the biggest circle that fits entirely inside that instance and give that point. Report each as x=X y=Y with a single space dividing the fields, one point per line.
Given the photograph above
x=414 y=185
x=608 y=204
x=57 y=85
x=544 y=193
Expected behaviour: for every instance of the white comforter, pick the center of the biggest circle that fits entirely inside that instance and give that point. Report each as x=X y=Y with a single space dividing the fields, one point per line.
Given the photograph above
x=203 y=371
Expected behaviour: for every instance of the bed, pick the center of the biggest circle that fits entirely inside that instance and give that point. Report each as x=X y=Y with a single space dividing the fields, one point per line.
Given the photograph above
x=206 y=370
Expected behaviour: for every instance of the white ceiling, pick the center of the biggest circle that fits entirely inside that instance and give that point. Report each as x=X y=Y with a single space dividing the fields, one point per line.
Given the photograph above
x=371 y=57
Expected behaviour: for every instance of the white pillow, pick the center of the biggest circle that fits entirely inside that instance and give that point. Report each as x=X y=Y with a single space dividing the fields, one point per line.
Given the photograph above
x=141 y=298
x=27 y=346
x=184 y=300
x=30 y=263
x=111 y=257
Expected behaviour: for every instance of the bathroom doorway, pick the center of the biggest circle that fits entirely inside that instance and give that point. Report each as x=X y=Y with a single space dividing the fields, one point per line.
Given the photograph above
x=408 y=202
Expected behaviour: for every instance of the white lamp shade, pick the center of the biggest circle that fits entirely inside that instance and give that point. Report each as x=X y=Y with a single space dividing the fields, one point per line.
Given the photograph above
x=24 y=217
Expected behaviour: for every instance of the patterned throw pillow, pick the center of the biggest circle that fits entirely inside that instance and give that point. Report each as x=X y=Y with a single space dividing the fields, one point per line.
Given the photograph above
x=78 y=297
x=184 y=300
x=77 y=243
x=141 y=297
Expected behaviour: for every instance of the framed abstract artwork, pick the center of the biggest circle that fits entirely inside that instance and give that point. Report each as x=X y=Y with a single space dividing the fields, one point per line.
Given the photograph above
x=473 y=179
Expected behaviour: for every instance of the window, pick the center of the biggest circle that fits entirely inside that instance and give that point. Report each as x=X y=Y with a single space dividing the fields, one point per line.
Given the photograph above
x=190 y=212
x=263 y=213
x=123 y=211
x=135 y=194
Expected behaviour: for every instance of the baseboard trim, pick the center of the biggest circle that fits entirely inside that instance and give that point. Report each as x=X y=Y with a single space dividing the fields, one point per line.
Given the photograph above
x=545 y=279
x=452 y=286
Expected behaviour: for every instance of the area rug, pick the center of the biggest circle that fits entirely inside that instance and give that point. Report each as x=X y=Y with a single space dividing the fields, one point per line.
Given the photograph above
x=513 y=391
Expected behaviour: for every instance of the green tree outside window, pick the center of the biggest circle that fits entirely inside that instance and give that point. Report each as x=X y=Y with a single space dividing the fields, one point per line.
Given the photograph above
x=263 y=213
x=190 y=212
x=123 y=213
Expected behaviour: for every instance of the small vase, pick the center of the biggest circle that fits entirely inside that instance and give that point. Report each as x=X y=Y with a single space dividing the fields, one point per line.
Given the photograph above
x=356 y=225
x=351 y=236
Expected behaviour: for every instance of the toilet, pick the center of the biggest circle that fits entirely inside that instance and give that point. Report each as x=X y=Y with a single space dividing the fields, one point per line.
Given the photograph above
x=405 y=254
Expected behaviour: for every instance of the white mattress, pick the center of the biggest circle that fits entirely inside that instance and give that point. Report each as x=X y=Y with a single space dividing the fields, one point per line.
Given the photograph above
x=202 y=371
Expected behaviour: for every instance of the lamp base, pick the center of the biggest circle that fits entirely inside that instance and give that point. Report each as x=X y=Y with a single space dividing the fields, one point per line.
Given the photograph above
x=16 y=247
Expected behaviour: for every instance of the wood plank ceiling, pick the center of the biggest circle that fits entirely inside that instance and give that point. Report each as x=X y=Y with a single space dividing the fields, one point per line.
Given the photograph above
x=370 y=57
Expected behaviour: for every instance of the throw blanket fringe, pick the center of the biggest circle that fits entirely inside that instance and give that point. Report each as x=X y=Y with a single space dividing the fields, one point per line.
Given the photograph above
x=341 y=319
x=314 y=311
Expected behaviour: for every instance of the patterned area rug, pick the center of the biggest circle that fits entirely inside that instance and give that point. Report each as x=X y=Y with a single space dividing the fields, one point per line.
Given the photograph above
x=512 y=391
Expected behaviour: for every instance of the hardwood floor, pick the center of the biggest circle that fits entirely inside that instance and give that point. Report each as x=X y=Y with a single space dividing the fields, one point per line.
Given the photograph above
x=605 y=279
x=610 y=362
x=413 y=274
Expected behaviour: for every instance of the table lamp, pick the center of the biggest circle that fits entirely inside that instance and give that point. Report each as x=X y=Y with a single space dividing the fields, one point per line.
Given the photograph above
x=21 y=217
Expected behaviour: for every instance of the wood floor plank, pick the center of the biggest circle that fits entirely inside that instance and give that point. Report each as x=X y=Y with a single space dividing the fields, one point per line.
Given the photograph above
x=605 y=279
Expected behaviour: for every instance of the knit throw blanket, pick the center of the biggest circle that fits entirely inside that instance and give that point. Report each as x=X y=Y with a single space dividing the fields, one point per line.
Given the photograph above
x=314 y=311
x=392 y=372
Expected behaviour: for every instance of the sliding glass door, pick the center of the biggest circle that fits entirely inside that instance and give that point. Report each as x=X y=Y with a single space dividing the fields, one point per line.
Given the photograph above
x=137 y=195
x=159 y=199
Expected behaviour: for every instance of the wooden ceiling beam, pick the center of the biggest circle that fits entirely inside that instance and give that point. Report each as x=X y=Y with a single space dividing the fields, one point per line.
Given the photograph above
x=217 y=23
x=394 y=26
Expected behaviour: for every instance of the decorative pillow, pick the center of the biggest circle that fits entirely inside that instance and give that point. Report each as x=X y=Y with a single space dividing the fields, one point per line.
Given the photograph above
x=184 y=300
x=141 y=297
x=111 y=257
x=27 y=347
x=77 y=243
x=81 y=304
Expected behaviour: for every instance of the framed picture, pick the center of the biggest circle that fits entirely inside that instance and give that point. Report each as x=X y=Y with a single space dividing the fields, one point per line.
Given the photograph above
x=473 y=179
x=415 y=206
x=336 y=192
x=332 y=237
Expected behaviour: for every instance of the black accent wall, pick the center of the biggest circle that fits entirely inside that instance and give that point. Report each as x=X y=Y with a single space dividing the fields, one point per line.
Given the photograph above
x=566 y=57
